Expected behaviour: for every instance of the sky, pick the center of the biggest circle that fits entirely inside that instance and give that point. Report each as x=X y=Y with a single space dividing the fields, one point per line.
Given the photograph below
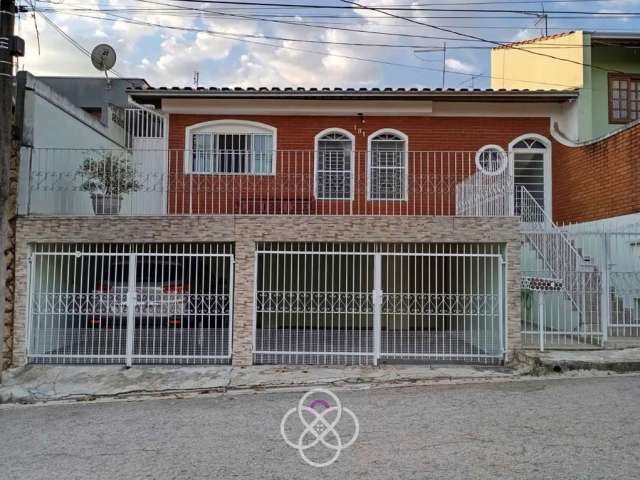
x=233 y=44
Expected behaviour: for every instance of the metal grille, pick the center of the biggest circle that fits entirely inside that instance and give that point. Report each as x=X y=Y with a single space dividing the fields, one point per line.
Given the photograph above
x=364 y=303
x=613 y=250
x=130 y=303
x=203 y=180
x=555 y=317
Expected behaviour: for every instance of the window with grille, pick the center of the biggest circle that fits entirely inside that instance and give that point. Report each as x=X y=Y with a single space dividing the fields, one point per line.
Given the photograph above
x=231 y=147
x=334 y=170
x=624 y=98
x=491 y=160
x=388 y=167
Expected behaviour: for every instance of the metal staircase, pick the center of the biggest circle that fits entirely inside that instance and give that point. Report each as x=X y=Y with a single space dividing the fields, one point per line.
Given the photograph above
x=580 y=279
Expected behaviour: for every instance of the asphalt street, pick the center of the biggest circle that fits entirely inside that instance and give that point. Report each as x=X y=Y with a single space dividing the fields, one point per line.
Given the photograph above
x=583 y=428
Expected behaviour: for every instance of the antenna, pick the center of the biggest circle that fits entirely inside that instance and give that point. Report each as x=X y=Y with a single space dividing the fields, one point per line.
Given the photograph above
x=543 y=16
x=103 y=58
x=196 y=79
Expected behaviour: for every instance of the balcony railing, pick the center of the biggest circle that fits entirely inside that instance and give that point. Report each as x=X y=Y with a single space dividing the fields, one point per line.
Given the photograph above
x=182 y=182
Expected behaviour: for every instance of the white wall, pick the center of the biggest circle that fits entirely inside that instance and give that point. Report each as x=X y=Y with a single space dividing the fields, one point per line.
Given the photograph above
x=57 y=137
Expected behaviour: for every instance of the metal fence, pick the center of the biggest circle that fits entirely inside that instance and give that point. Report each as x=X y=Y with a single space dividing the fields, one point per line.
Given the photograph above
x=616 y=255
x=300 y=182
x=552 y=317
x=130 y=303
x=371 y=303
x=597 y=275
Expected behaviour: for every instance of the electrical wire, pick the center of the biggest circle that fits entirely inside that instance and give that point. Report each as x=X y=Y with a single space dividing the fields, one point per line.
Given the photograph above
x=475 y=37
x=239 y=37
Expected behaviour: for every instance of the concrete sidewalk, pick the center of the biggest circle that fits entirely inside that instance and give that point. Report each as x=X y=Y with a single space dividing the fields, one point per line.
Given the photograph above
x=38 y=383
x=46 y=383
x=560 y=361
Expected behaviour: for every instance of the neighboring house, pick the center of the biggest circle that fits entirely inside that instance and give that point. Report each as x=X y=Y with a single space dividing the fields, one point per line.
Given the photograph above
x=329 y=226
x=604 y=66
x=94 y=95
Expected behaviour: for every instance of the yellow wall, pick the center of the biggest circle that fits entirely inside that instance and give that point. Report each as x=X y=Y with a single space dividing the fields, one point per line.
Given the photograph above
x=514 y=68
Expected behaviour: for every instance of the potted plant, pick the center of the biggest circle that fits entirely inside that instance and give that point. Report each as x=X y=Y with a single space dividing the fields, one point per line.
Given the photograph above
x=107 y=178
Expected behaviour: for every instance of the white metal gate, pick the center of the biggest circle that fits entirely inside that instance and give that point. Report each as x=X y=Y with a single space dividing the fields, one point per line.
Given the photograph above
x=130 y=303
x=365 y=303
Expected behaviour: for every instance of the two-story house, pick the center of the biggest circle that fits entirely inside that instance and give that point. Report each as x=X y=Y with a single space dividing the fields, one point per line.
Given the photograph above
x=603 y=66
x=291 y=226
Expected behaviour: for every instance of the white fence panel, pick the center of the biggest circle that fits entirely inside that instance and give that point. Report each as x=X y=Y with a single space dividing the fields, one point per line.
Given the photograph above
x=365 y=303
x=120 y=303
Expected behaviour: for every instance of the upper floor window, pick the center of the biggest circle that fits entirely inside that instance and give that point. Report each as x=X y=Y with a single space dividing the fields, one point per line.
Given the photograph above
x=231 y=147
x=624 y=98
x=388 y=166
x=334 y=165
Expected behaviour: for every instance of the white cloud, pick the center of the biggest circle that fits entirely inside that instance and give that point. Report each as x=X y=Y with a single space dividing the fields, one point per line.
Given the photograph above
x=456 y=65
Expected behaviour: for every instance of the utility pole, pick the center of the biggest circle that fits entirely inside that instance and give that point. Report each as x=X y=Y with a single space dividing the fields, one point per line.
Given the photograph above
x=10 y=47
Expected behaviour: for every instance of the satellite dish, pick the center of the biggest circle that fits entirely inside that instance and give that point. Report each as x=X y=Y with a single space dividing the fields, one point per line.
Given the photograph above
x=103 y=57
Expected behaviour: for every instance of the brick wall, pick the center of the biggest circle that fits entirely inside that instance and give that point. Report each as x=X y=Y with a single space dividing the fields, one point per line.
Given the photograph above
x=432 y=176
x=599 y=180
x=246 y=232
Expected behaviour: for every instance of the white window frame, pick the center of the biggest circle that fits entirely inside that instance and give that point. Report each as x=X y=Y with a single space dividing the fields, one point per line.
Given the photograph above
x=498 y=148
x=317 y=139
x=546 y=164
x=404 y=138
x=228 y=127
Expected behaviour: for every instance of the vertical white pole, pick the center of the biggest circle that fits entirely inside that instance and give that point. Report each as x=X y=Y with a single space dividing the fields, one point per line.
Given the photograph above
x=502 y=321
x=605 y=302
x=377 y=306
x=131 y=305
x=232 y=266
x=541 y=319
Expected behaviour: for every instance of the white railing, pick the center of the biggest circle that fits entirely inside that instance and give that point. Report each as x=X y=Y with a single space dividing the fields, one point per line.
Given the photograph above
x=561 y=260
x=482 y=195
x=282 y=182
x=142 y=123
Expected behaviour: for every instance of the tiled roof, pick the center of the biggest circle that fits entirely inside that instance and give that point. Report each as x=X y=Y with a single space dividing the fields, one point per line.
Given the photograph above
x=535 y=40
x=341 y=93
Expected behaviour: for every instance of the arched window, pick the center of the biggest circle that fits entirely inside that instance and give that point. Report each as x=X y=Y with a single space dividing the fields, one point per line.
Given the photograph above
x=388 y=165
x=531 y=169
x=230 y=147
x=334 y=165
x=491 y=160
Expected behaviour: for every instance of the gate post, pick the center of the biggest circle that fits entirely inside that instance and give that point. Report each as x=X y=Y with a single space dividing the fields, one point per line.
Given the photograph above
x=377 y=306
x=605 y=297
x=244 y=302
x=131 y=307
x=541 y=319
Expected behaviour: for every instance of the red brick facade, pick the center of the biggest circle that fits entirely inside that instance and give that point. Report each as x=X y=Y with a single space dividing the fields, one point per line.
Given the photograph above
x=297 y=133
x=597 y=181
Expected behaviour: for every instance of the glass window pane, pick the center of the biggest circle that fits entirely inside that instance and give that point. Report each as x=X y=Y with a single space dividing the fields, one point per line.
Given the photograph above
x=201 y=153
x=387 y=172
x=263 y=153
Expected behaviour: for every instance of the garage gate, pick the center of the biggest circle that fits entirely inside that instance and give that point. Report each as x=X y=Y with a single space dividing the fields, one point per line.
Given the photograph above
x=130 y=303
x=370 y=303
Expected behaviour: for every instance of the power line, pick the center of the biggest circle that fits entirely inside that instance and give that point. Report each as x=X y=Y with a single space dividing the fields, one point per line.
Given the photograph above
x=409 y=8
x=355 y=30
x=475 y=37
x=73 y=42
x=238 y=37
x=314 y=26
x=531 y=14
